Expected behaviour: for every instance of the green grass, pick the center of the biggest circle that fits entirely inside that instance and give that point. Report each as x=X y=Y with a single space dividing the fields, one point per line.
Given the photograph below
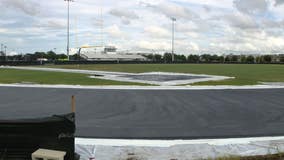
x=43 y=77
x=246 y=74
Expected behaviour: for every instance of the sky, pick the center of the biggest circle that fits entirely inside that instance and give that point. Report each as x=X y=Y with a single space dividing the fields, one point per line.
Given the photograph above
x=202 y=26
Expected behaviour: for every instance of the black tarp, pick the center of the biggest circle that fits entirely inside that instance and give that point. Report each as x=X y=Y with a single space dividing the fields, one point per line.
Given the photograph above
x=20 y=138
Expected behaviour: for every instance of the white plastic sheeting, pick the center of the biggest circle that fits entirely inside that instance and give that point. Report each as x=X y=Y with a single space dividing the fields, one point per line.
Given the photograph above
x=181 y=150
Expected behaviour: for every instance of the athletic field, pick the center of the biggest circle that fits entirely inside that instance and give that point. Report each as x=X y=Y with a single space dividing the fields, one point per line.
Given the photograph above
x=245 y=74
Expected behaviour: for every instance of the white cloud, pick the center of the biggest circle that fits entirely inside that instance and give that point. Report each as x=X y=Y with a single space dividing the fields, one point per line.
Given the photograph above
x=279 y=2
x=157 y=32
x=172 y=10
x=153 y=45
x=185 y=47
x=125 y=15
x=193 y=46
x=241 y=21
x=251 y=6
x=203 y=25
x=192 y=34
x=30 y=7
x=249 y=41
x=211 y=3
x=52 y=23
x=115 y=32
x=269 y=24
x=3 y=30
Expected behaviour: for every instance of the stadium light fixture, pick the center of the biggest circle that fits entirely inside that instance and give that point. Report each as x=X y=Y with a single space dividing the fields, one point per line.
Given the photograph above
x=68 y=26
x=173 y=38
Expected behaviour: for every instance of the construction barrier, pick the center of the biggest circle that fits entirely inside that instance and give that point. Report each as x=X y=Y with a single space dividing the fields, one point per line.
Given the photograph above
x=20 y=138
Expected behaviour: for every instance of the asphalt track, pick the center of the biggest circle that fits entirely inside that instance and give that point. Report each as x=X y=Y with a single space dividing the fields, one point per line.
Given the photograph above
x=154 y=114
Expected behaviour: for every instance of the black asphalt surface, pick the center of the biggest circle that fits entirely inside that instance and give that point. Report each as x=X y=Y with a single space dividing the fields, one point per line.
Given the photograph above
x=161 y=114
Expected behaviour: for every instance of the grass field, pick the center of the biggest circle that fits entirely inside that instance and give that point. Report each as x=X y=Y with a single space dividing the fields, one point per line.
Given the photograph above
x=246 y=74
x=44 y=77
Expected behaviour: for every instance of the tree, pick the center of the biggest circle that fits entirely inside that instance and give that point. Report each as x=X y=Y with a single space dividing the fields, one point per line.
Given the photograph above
x=75 y=57
x=221 y=59
x=228 y=59
x=258 y=59
x=2 y=56
x=216 y=58
x=158 y=57
x=154 y=57
x=235 y=58
x=180 y=58
x=243 y=59
x=37 y=55
x=167 y=57
x=206 y=57
x=61 y=56
x=50 y=55
x=18 y=57
x=267 y=58
x=149 y=56
x=250 y=59
x=193 y=58
x=281 y=58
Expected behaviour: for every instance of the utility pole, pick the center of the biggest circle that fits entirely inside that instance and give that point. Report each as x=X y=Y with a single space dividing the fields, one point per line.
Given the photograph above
x=68 y=25
x=173 y=38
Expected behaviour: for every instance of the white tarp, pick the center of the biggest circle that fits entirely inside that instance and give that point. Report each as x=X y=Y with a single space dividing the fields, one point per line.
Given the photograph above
x=165 y=151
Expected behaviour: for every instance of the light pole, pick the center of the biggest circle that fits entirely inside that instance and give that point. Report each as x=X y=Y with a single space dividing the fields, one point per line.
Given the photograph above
x=5 y=47
x=2 y=49
x=68 y=25
x=173 y=38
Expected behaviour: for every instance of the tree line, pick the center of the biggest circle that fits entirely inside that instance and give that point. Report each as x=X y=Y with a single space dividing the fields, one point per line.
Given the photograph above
x=165 y=58
x=208 y=58
x=36 y=56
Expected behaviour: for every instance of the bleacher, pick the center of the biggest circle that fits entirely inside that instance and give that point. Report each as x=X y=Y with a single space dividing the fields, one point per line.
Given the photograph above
x=111 y=57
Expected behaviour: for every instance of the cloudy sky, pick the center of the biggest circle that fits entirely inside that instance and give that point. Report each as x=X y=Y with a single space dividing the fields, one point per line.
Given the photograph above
x=224 y=26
